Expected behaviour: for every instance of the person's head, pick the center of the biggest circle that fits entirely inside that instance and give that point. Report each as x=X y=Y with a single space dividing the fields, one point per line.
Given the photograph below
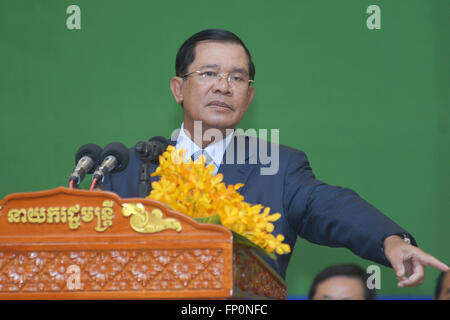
x=341 y=282
x=442 y=290
x=219 y=102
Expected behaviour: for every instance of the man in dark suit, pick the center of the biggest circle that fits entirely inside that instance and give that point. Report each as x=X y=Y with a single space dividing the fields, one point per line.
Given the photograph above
x=213 y=84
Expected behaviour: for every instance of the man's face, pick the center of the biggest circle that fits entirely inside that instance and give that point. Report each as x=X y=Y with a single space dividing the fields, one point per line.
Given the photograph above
x=445 y=291
x=218 y=104
x=340 y=288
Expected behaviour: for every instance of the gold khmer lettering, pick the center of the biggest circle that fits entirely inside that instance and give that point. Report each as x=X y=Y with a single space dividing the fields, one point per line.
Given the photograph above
x=104 y=218
x=36 y=215
x=72 y=215
x=17 y=215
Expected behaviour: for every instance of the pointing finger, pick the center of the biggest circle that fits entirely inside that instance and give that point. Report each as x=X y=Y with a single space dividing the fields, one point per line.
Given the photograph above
x=431 y=261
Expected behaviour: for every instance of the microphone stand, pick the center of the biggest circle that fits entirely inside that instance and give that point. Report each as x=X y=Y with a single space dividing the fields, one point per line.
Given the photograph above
x=148 y=152
x=144 y=186
x=144 y=153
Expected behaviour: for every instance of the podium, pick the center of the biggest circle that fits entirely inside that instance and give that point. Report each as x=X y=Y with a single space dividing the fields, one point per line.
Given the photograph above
x=78 y=244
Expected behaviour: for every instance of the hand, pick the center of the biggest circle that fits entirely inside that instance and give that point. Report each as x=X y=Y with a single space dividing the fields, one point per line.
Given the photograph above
x=408 y=260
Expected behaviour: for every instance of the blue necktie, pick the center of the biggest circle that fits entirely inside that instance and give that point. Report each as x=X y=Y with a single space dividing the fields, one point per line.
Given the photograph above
x=208 y=159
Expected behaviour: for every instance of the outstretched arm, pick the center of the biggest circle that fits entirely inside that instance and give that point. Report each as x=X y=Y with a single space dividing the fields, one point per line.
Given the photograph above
x=338 y=217
x=408 y=260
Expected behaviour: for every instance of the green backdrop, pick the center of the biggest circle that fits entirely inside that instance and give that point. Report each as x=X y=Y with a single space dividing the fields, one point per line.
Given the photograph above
x=369 y=107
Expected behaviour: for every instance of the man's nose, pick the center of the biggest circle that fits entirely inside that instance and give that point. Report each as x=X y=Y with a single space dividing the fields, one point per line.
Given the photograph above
x=222 y=84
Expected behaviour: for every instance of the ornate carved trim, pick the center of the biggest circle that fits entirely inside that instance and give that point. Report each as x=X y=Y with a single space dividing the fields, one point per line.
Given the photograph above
x=144 y=222
x=111 y=270
x=252 y=277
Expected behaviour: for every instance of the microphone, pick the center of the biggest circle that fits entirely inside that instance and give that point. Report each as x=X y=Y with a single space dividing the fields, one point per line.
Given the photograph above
x=86 y=159
x=149 y=151
x=114 y=157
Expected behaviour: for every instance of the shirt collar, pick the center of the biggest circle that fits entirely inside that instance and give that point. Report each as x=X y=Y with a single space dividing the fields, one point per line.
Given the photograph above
x=215 y=150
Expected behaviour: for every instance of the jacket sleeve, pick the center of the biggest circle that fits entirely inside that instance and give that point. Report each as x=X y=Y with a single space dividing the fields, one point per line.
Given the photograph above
x=334 y=216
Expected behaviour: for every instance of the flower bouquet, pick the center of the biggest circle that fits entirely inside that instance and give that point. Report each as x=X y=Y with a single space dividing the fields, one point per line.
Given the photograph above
x=191 y=188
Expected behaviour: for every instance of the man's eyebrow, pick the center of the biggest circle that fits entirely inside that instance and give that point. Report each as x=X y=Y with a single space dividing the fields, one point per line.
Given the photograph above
x=215 y=66
x=240 y=70
x=209 y=66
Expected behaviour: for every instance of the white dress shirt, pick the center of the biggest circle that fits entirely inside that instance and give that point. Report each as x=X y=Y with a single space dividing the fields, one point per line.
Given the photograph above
x=215 y=150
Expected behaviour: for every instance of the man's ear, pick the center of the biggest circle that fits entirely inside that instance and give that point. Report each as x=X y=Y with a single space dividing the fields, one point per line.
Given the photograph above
x=176 y=86
x=251 y=94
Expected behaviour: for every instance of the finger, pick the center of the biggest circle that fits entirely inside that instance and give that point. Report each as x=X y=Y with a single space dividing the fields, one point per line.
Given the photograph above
x=431 y=261
x=416 y=278
x=398 y=266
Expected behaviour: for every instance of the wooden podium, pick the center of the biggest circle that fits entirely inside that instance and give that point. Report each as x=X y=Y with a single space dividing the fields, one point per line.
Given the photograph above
x=77 y=244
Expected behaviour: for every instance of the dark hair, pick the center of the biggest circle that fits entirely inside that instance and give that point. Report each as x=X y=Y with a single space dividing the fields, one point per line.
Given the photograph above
x=347 y=270
x=438 y=289
x=186 y=53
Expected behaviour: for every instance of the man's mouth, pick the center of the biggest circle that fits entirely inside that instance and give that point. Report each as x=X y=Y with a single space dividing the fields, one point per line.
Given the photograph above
x=219 y=104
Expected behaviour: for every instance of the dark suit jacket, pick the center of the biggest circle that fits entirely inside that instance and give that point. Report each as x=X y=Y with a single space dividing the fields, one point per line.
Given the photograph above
x=323 y=214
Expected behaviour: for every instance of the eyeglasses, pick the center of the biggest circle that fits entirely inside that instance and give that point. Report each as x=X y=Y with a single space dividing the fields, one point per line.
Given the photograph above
x=235 y=79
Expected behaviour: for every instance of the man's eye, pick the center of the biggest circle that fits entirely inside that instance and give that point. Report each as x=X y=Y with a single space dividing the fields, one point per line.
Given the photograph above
x=236 y=78
x=208 y=74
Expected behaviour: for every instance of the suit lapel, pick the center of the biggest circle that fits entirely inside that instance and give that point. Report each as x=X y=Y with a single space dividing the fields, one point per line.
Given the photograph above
x=237 y=161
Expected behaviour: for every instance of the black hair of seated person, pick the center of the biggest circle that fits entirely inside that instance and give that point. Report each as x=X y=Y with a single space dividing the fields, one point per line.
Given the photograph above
x=186 y=53
x=438 y=288
x=347 y=270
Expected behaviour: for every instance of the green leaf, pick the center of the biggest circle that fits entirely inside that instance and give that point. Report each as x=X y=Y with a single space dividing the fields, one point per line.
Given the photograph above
x=215 y=219
x=237 y=238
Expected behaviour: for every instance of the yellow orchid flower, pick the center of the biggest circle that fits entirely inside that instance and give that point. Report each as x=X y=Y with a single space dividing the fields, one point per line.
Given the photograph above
x=191 y=188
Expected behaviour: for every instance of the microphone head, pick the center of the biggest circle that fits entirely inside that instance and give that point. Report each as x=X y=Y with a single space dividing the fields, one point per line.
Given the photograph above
x=162 y=141
x=151 y=150
x=161 y=144
x=120 y=152
x=92 y=151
